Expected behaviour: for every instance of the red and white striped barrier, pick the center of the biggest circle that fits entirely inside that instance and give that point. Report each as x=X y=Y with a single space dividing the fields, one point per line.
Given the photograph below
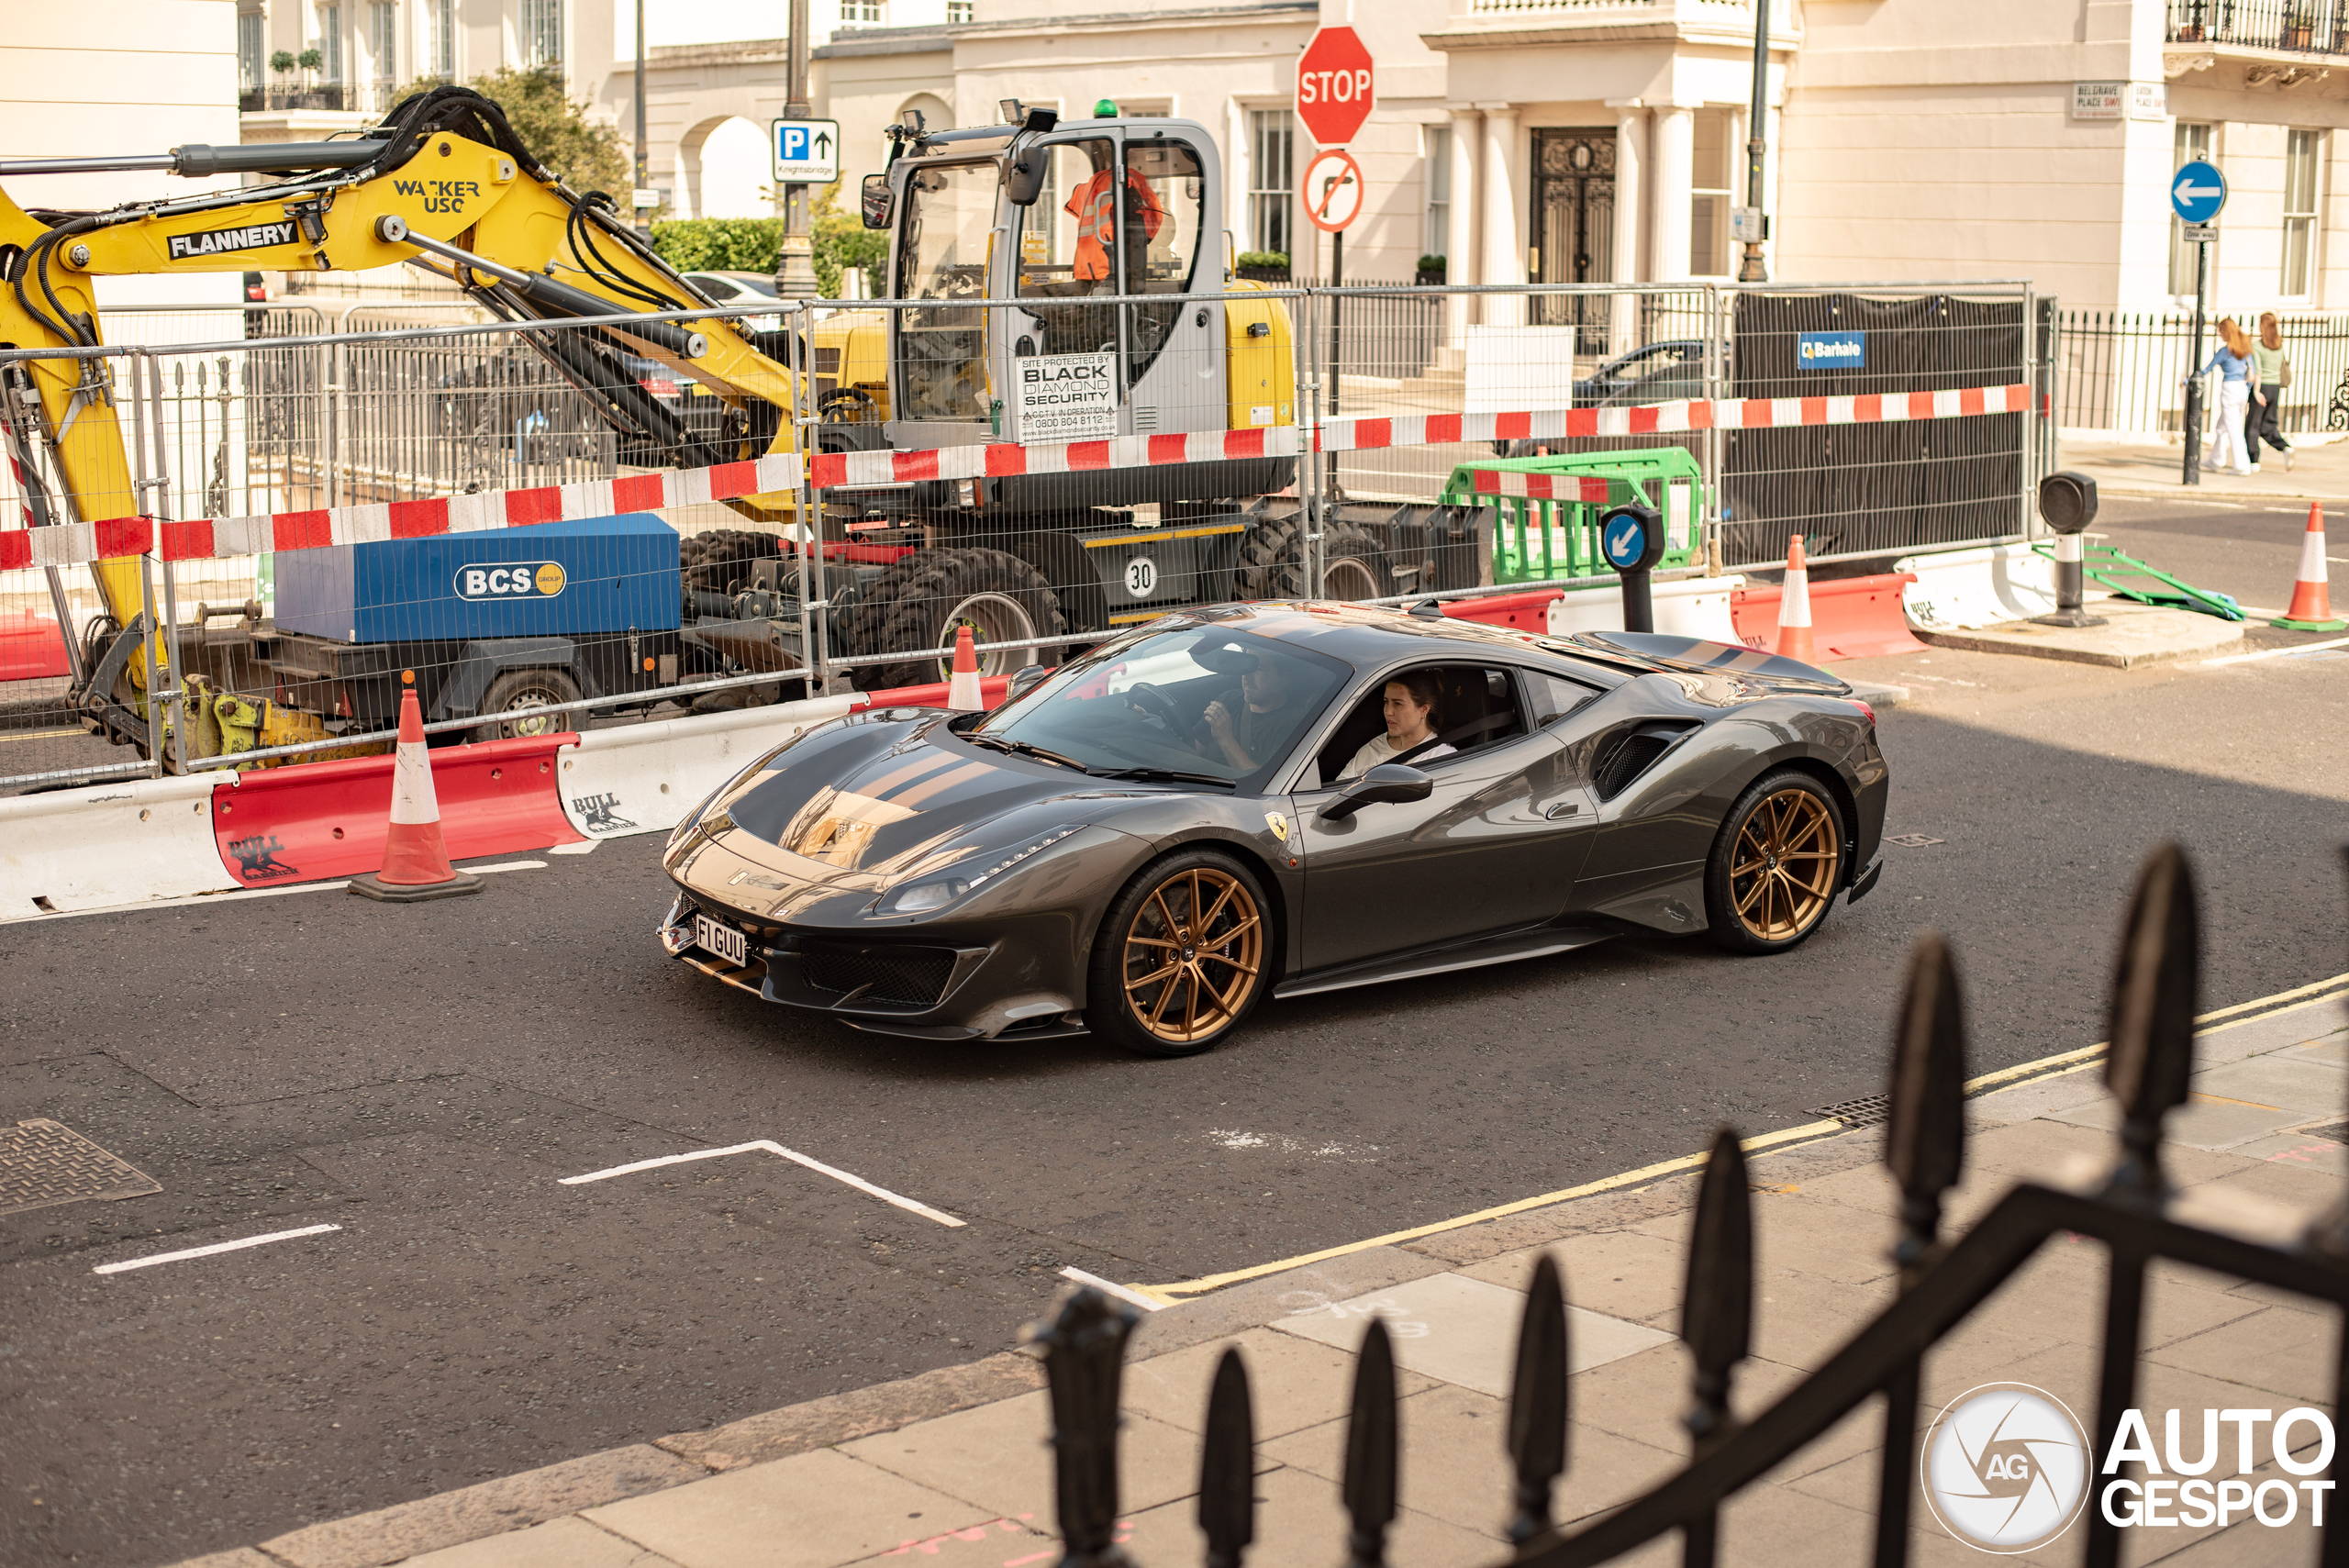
x=206 y=538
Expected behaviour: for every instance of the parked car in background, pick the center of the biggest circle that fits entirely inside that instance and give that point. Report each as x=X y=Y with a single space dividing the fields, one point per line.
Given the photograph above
x=736 y=289
x=1606 y=385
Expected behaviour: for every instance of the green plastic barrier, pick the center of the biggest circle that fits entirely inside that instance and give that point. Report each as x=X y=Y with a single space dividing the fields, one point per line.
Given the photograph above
x=1538 y=537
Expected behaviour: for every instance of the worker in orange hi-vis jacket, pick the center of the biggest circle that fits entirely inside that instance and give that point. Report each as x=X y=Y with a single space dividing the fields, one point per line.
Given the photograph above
x=1097 y=225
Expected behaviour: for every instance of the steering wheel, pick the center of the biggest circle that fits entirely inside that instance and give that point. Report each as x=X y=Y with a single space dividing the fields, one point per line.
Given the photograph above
x=1157 y=705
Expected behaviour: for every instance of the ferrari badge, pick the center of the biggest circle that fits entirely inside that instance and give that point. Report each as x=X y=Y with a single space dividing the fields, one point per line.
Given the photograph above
x=1278 y=823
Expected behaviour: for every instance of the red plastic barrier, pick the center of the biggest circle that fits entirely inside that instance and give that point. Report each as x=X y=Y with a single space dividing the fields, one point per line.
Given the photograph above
x=1518 y=612
x=991 y=692
x=1851 y=618
x=31 y=648
x=317 y=821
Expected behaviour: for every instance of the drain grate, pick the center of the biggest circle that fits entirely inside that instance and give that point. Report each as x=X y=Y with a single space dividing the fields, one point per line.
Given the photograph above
x=1914 y=840
x=42 y=1163
x=1868 y=1110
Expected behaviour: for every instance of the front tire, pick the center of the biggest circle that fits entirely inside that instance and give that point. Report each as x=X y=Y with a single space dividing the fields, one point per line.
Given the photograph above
x=919 y=600
x=527 y=688
x=1777 y=864
x=1182 y=956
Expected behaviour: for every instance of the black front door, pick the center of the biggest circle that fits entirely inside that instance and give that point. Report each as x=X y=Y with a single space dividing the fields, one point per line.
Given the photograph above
x=1574 y=226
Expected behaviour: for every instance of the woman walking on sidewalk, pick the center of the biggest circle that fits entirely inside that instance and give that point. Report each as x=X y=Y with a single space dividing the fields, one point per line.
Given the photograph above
x=2233 y=361
x=2271 y=372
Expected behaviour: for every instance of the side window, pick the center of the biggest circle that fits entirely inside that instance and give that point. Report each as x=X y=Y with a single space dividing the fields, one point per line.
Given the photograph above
x=1444 y=711
x=1551 y=698
x=1165 y=198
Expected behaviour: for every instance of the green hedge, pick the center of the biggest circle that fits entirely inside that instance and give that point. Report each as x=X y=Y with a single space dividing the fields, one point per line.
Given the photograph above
x=756 y=244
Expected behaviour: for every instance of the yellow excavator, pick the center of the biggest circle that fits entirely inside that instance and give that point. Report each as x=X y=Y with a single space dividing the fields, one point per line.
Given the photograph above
x=1072 y=220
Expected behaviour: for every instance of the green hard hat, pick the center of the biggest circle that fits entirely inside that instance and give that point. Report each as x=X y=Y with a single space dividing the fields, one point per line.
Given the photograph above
x=1106 y=110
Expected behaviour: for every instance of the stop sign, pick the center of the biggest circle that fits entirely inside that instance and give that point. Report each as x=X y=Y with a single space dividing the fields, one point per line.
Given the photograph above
x=1333 y=94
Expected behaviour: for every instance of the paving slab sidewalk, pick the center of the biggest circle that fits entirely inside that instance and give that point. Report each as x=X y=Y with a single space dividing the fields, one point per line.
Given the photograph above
x=953 y=1465
x=2155 y=470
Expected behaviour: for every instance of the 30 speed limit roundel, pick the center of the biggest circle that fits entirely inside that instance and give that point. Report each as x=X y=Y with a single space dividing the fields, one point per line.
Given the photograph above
x=511 y=580
x=1141 y=577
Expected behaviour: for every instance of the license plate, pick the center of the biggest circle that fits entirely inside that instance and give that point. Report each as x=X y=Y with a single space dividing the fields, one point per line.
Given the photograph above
x=724 y=940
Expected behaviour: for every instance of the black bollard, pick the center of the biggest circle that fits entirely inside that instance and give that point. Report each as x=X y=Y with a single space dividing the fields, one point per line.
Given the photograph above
x=2067 y=504
x=1632 y=539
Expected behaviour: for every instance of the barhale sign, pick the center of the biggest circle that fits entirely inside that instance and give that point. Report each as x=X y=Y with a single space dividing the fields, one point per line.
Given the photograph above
x=1831 y=351
x=1067 y=397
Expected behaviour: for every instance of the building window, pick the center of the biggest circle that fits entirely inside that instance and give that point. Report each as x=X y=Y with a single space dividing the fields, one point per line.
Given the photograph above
x=861 y=11
x=1710 y=173
x=383 y=48
x=2192 y=141
x=958 y=13
x=250 y=24
x=2299 y=211
x=541 y=32
x=1272 y=170
x=330 y=43
x=442 y=48
x=1439 y=187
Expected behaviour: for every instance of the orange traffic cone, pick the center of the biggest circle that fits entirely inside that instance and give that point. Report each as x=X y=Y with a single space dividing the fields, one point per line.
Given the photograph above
x=1794 y=607
x=962 y=694
x=2312 y=601
x=416 y=858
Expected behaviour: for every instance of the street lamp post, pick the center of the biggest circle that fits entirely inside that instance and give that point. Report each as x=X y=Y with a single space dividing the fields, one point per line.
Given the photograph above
x=1750 y=270
x=794 y=269
x=643 y=159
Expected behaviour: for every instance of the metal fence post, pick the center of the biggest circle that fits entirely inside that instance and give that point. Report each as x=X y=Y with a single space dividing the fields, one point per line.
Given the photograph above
x=160 y=513
x=815 y=636
x=1716 y=358
x=2027 y=437
x=1309 y=501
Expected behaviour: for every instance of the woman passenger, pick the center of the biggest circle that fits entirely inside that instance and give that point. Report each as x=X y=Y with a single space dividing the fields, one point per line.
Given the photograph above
x=1411 y=718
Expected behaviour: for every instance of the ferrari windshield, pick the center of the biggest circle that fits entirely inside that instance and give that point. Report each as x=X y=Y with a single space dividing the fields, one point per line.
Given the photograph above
x=1220 y=707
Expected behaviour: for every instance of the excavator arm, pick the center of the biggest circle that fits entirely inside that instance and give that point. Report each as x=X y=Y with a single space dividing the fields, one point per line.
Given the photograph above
x=443 y=182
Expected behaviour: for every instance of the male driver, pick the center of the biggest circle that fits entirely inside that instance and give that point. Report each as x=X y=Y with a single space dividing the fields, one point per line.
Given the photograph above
x=1245 y=740
x=1094 y=207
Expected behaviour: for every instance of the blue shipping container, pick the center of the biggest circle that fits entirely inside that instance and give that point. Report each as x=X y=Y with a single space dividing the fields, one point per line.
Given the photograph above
x=593 y=574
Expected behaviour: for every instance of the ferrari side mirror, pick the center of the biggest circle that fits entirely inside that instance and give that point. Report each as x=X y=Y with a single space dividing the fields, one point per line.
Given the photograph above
x=1389 y=784
x=1024 y=680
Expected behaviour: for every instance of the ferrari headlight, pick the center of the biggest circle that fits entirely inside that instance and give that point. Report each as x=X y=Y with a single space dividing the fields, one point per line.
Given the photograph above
x=920 y=897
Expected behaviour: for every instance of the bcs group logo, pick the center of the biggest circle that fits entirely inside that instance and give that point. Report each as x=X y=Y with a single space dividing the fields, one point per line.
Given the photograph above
x=519 y=580
x=2006 y=1467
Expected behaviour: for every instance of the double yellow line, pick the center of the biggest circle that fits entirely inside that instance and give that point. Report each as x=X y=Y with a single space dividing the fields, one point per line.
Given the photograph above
x=2056 y=1066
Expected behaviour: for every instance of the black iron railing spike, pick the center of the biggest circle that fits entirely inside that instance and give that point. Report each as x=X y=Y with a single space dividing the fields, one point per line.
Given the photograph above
x=1227 y=1466
x=1925 y=1150
x=2328 y=1234
x=1085 y=1353
x=2155 y=995
x=1717 y=1313
x=1925 y=1145
x=1537 y=1402
x=1369 y=1491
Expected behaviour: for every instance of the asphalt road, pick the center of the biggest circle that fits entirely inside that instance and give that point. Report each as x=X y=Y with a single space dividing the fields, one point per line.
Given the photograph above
x=422 y=1076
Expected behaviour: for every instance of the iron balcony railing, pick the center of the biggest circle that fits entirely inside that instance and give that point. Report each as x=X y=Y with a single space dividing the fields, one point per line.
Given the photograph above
x=2296 y=27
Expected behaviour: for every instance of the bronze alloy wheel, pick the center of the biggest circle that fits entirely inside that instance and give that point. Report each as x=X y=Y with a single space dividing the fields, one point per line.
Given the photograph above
x=1776 y=866
x=1188 y=959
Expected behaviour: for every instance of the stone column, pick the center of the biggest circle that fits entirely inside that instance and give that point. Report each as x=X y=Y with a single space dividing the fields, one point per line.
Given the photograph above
x=1675 y=156
x=1460 y=227
x=1503 y=258
x=1631 y=217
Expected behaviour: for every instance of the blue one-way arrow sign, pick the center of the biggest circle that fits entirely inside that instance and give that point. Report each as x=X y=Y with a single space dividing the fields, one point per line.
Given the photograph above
x=2197 y=192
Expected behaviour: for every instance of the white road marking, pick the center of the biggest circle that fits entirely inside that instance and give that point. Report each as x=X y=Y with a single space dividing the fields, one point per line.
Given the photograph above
x=228 y=895
x=772 y=1147
x=508 y=865
x=585 y=846
x=2279 y=652
x=216 y=1246
x=1120 y=1291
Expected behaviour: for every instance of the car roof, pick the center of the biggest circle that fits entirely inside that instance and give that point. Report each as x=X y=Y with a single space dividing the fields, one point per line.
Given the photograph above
x=1363 y=634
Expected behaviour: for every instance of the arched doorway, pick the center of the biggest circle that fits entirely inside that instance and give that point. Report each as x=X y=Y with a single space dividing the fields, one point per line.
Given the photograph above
x=724 y=171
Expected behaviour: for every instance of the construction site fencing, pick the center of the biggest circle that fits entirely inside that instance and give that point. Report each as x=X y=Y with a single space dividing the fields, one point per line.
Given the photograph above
x=2126 y=371
x=1049 y=470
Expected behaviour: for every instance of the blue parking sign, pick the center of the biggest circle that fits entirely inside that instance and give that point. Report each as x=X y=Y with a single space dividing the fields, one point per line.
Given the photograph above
x=806 y=153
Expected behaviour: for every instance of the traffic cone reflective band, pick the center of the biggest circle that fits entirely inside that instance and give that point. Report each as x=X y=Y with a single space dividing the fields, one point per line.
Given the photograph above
x=962 y=691
x=1794 y=607
x=2311 y=599
x=416 y=858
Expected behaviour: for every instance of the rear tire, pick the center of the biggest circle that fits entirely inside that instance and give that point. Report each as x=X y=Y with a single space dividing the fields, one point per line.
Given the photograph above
x=1272 y=563
x=527 y=688
x=919 y=600
x=1777 y=864
x=1161 y=986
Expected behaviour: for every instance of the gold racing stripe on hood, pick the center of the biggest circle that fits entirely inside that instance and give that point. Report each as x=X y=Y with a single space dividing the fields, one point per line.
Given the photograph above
x=898 y=777
x=962 y=776
x=837 y=826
